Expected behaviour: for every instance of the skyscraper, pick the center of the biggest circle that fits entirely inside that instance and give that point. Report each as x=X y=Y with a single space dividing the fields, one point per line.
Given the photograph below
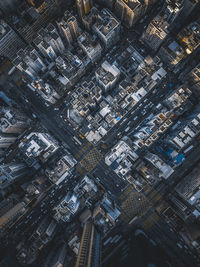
x=90 y=247
x=6 y=140
x=130 y=12
x=84 y=7
x=11 y=172
x=68 y=27
x=8 y=6
x=60 y=258
x=10 y=42
x=12 y=121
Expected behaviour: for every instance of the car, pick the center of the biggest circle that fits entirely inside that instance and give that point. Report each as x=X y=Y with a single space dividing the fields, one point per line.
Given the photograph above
x=34 y=116
x=81 y=136
x=127 y=129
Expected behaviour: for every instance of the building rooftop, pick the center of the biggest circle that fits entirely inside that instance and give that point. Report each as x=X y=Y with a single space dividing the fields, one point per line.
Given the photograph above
x=4 y=29
x=67 y=207
x=38 y=145
x=62 y=169
x=121 y=158
x=106 y=23
x=165 y=170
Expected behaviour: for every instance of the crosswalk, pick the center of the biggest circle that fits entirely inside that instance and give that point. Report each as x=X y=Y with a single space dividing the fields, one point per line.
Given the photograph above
x=81 y=152
x=138 y=206
x=150 y=221
x=126 y=192
x=92 y=158
x=133 y=205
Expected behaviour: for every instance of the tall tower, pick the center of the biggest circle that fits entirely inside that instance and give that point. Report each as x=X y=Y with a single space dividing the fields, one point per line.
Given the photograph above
x=12 y=121
x=8 y=6
x=11 y=172
x=84 y=7
x=6 y=140
x=89 y=254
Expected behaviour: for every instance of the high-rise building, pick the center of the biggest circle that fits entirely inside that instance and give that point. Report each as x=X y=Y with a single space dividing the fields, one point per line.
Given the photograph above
x=49 y=42
x=130 y=11
x=12 y=121
x=35 y=3
x=107 y=27
x=7 y=218
x=189 y=7
x=73 y=24
x=189 y=184
x=173 y=9
x=174 y=52
x=107 y=3
x=156 y=32
x=107 y=75
x=45 y=48
x=90 y=46
x=38 y=145
x=194 y=80
x=6 y=140
x=8 y=6
x=84 y=7
x=68 y=207
x=27 y=252
x=68 y=27
x=10 y=42
x=34 y=17
x=60 y=258
x=11 y=172
x=89 y=254
x=29 y=62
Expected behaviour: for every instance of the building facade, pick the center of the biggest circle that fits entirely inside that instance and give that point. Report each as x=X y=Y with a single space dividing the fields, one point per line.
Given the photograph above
x=90 y=248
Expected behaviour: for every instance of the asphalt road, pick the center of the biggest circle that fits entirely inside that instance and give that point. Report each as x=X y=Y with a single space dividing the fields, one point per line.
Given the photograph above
x=51 y=120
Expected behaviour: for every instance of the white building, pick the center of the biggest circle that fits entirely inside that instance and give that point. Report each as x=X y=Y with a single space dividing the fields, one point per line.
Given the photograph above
x=67 y=207
x=107 y=28
x=47 y=92
x=187 y=134
x=90 y=46
x=121 y=158
x=107 y=76
x=38 y=145
x=62 y=169
x=165 y=170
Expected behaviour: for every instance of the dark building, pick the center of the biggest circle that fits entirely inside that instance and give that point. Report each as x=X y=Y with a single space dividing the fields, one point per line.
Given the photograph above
x=90 y=247
x=84 y=7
